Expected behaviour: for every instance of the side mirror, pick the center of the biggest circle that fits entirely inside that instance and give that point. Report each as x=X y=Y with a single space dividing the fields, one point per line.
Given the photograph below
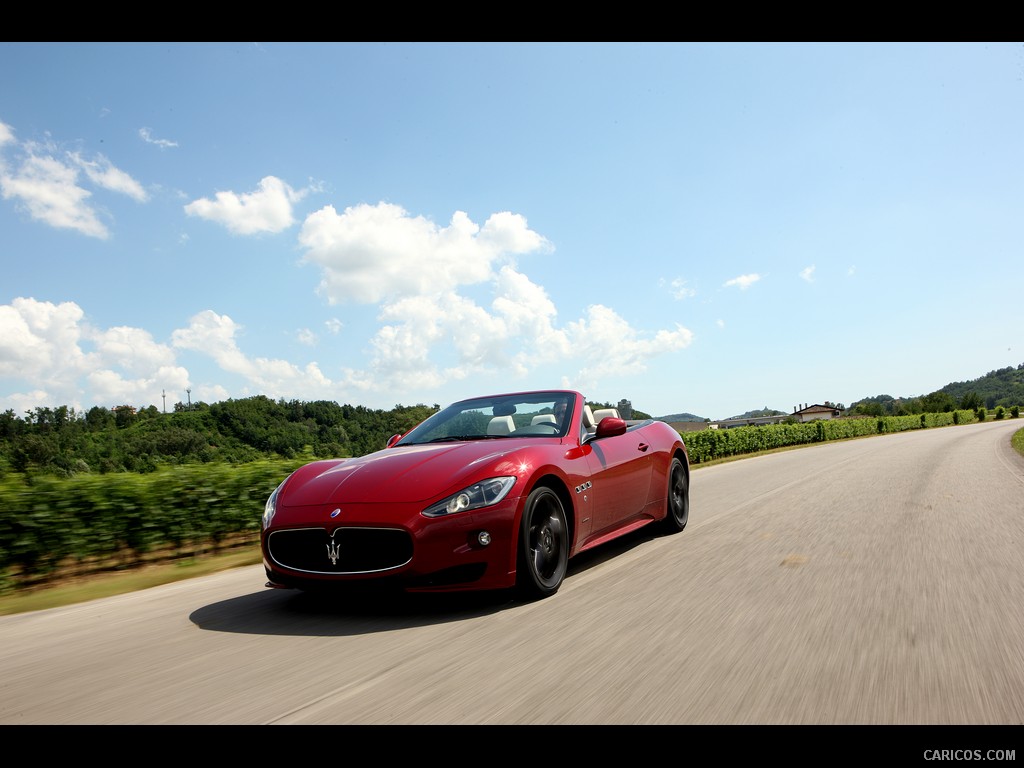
x=393 y=439
x=610 y=427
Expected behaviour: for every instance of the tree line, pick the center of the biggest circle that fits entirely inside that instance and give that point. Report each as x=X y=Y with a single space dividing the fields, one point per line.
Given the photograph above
x=66 y=442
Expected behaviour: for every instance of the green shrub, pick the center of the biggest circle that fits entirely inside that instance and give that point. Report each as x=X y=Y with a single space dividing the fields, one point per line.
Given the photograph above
x=1015 y=411
x=120 y=517
x=1000 y=413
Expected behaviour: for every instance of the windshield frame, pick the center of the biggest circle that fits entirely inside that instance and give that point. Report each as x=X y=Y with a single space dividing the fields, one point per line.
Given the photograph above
x=468 y=420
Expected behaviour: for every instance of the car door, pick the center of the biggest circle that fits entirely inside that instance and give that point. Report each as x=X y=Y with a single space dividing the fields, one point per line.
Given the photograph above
x=621 y=468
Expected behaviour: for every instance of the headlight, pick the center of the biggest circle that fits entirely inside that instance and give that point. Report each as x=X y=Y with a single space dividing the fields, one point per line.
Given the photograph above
x=270 y=507
x=481 y=494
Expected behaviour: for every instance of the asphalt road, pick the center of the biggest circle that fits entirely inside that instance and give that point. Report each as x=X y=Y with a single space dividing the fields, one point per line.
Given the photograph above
x=876 y=581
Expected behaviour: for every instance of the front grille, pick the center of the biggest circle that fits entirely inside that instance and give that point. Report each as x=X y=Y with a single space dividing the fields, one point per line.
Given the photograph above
x=348 y=551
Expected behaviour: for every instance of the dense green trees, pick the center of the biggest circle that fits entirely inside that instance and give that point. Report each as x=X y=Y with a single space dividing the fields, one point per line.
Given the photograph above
x=1001 y=387
x=64 y=442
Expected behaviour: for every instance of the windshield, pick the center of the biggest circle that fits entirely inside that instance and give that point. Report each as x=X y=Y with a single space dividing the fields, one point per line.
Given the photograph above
x=533 y=414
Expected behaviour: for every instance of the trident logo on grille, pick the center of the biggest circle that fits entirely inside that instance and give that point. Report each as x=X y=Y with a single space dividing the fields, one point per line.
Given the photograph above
x=333 y=551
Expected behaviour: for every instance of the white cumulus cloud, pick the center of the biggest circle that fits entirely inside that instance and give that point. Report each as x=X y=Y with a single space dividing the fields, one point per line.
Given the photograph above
x=56 y=187
x=47 y=189
x=369 y=253
x=268 y=209
x=66 y=361
x=214 y=335
x=132 y=349
x=431 y=333
x=608 y=345
x=39 y=340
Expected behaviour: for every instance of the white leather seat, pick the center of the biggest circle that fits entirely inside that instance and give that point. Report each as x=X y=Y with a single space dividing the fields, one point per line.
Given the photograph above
x=544 y=418
x=588 y=419
x=501 y=425
x=602 y=413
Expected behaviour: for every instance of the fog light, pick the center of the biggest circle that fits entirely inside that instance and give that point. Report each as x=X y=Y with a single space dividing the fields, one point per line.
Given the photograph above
x=484 y=538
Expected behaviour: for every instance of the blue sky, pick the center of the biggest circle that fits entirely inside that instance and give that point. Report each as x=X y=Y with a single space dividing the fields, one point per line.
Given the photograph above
x=708 y=228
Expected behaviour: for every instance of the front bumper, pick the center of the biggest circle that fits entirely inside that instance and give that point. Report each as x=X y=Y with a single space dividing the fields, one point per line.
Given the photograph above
x=395 y=546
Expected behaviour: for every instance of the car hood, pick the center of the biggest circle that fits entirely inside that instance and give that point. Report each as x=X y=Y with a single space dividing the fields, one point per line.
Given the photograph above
x=400 y=474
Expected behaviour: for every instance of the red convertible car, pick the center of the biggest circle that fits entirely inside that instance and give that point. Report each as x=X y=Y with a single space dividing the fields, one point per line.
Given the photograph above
x=491 y=493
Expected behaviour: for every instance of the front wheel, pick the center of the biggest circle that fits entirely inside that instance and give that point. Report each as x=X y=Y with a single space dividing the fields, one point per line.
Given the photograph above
x=678 y=497
x=543 y=545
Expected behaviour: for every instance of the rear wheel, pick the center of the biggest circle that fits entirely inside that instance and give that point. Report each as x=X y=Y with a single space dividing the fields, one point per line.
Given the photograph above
x=543 y=545
x=678 y=497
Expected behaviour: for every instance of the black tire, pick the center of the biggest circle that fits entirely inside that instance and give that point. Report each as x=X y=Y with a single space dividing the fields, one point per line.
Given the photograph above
x=543 y=545
x=678 y=497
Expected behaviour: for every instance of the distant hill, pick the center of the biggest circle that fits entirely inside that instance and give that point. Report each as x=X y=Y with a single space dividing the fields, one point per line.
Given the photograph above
x=680 y=417
x=766 y=411
x=1004 y=386
x=1001 y=387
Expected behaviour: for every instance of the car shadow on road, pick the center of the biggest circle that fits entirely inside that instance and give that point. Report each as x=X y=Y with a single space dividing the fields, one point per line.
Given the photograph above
x=351 y=612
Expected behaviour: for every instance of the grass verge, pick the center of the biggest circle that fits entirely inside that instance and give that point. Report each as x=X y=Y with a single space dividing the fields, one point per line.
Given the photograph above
x=85 y=588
